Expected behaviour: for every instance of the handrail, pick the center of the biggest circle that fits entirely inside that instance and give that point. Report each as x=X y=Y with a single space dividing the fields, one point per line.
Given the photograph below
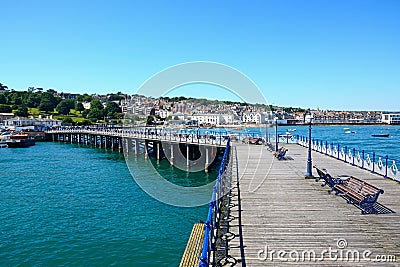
x=213 y=216
x=161 y=135
x=367 y=160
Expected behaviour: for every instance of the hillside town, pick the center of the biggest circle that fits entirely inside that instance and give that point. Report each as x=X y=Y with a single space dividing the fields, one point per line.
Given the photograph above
x=38 y=110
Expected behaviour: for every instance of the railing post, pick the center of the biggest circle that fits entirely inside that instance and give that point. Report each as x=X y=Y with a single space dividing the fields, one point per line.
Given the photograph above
x=345 y=153
x=326 y=147
x=386 y=169
x=354 y=153
x=373 y=162
x=338 y=151
x=362 y=164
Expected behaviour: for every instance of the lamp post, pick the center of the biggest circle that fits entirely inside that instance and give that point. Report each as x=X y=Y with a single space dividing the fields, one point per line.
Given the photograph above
x=276 y=133
x=308 y=119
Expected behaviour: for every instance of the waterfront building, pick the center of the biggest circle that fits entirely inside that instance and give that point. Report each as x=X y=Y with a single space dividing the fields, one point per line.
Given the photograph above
x=163 y=113
x=391 y=118
x=5 y=116
x=40 y=124
x=257 y=117
x=208 y=118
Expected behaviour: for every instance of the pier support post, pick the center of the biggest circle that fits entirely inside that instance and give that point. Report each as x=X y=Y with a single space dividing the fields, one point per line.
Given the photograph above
x=207 y=160
x=146 y=152
x=136 y=147
x=157 y=150
x=172 y=154
x=120 y=147
x=187 y=156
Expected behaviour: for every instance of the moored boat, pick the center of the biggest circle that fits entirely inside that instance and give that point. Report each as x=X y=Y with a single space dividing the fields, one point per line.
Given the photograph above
x=20 y=140
x=380 y=135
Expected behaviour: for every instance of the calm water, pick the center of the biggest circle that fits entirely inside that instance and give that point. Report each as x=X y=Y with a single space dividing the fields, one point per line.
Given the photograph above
x=361 y=139
x=67 y=205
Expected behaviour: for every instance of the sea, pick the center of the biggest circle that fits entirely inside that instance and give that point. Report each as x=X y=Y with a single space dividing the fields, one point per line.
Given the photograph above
x=74 y=205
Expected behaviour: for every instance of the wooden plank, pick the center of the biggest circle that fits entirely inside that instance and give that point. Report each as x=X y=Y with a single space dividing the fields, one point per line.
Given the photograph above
x=192 y=253
x=283 y=210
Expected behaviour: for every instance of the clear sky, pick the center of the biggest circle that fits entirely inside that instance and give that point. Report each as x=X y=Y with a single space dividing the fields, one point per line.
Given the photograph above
x=342 y=55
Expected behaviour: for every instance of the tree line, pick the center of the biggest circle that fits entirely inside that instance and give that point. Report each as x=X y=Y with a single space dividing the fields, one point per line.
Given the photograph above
x=49 y=102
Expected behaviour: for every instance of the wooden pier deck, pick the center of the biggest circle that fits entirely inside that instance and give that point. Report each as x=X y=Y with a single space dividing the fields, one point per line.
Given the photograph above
x=281 y=210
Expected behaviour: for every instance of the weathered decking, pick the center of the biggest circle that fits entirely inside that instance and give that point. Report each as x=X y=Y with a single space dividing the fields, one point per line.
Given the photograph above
x=281 y=210
x=191 y=255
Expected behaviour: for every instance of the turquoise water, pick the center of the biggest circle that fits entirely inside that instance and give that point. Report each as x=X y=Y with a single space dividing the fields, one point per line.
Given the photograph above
x=66 y=205
x=360 y=140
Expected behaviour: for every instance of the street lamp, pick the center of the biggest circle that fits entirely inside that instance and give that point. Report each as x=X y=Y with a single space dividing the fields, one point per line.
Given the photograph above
x=276 y=133
x=309 y=119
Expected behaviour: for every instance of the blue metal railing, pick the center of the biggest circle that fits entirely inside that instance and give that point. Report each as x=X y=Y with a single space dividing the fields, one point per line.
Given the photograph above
x=212 y=222
x=367 y=160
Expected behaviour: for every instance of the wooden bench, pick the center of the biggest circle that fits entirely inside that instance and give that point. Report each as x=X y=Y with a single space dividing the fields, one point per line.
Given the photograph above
x=327 y=179
x=191 y=256
x=280 y=154
x=359 y=192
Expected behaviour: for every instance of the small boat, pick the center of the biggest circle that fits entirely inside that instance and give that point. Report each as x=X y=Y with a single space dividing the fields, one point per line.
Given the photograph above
x=349 y=132
x=287 y=135
x=346 y=129
x=20 y=140
x=380 y=135
x=292 y=130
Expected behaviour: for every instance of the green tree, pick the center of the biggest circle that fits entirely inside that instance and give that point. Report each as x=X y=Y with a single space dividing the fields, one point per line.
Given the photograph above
x=3 y=86
x=149 y=120
x=67 y=120
x=3 y=99
x=79 y=106
x=112 y=110
x=5 y=108
x=22 y=111
x=33 y=100
x=85 y=113
x=47 y=102
x=96 y=104
x=46 y=105
x=95 y=114
x=64 y=107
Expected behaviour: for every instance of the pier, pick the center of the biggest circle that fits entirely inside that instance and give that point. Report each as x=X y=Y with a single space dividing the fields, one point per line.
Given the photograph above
x=164 y=144
x=277 y=217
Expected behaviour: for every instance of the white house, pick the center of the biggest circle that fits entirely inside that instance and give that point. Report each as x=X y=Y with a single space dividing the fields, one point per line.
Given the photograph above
x=208 y=118
x=228 y=118
x=253 y=117
x=163 y=113
x=86 y=105
x=391 y=118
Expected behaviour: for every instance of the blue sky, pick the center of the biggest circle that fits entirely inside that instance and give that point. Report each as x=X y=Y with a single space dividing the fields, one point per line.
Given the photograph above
x=342 y=55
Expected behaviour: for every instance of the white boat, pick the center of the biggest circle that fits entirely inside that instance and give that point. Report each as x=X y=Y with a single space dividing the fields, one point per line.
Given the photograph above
x=287 y=135
x=292 y=130
x=346 y=129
